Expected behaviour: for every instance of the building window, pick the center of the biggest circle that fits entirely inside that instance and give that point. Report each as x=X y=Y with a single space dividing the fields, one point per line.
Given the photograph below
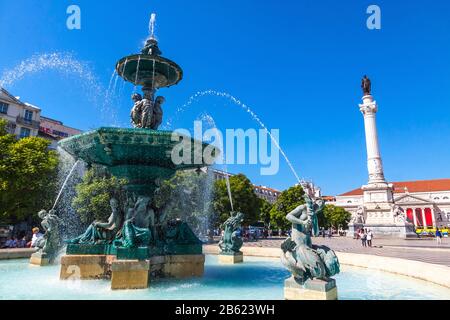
x=24 y=132
x=4 y=107
x=28 y=115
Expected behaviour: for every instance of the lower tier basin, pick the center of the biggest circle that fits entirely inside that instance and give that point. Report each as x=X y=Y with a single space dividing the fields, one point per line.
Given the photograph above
x=256 y=278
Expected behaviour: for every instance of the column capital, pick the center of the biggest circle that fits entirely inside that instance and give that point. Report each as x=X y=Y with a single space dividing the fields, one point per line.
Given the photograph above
x=368 y=107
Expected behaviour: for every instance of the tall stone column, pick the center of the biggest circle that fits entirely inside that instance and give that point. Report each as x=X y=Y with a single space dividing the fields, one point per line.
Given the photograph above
x=378 y=196
x=369 y=109
x=377 y=189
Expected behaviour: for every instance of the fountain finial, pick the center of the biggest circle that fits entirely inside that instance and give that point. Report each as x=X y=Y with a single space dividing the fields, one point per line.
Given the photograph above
x=151 y=45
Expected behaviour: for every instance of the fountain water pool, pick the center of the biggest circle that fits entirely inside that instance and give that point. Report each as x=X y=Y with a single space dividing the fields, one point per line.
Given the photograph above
x=256 y=279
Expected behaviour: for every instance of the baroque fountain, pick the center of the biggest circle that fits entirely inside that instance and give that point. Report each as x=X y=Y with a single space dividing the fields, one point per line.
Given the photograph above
x=138 y=243
x=137 y=240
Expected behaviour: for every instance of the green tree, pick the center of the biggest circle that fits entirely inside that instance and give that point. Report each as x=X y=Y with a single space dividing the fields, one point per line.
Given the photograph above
x=28 y=176
x=264 y=211
x=94 y=194
x=287 y=201
x=332 y=216
x=243 y=196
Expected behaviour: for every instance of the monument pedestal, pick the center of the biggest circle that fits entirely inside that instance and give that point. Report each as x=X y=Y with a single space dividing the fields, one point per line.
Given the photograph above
x=353 y=229
x=311 y=290
x=402 y=231
x=231 y=258
x=40 y=259
x=130 y=274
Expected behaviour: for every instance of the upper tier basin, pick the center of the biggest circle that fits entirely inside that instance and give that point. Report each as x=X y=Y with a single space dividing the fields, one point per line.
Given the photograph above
x=139 y=155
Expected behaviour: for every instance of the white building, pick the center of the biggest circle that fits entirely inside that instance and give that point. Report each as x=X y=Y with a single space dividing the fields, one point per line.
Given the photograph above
x=425 y=203
x=23 y=118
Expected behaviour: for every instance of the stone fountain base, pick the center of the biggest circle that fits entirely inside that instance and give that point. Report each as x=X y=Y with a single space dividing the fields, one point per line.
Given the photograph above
x=312 y=290
x=39 y=259
x=132 y=273
x=231 y=258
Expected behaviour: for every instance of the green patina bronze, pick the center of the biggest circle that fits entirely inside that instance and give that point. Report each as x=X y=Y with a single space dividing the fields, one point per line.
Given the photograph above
x=231 y=243
x=137 y=227
x=303 y=259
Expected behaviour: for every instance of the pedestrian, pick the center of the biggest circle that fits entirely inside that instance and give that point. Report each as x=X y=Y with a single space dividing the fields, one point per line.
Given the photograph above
x=330 y=233
x=438 y=236
x=369 y=238
x=36 y=236
x=9 y=243
x=363 y=237
x=323 y=232
x=22 y=243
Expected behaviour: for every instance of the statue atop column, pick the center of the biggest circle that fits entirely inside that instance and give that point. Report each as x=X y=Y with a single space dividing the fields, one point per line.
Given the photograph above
x=366 y=86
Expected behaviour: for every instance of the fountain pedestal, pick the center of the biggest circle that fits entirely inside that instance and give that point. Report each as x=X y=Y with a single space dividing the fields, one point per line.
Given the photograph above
x=83 y=267
x=40 y=259
x=311 y=290
x=130 y=274
x=237 y=257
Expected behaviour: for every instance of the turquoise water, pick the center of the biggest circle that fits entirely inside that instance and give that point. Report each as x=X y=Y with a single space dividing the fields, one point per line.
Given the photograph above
x=256 y=278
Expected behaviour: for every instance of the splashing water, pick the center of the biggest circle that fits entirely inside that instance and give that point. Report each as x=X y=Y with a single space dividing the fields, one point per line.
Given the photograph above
x=69 y=177
x=65 y=182
x=210 y=120
x=151 y=25
x=239 y=103
x=67 y=64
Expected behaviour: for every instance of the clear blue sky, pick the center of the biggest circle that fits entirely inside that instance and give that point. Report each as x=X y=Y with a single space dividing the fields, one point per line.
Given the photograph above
x=297 y=64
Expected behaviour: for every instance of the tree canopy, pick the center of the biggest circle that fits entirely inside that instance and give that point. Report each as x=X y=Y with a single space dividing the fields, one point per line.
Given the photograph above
x=264 y=211
x=287 y=201
x=333 y=216
x=94 y=194
x=244 y=199
x=28 y=176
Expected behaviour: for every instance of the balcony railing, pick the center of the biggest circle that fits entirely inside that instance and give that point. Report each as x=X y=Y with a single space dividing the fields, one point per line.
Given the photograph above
x=26 y=122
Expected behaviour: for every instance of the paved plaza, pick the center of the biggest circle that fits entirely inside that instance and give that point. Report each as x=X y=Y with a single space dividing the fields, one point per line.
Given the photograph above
x=424 y=250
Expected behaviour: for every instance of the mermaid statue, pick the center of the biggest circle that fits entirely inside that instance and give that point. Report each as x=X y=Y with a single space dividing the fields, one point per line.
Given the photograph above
x=231 y=243
x=303 y=259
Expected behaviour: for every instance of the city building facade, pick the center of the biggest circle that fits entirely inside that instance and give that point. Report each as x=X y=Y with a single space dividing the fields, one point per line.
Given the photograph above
x=424 y=203
x=23 y=118
x=55 y=130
